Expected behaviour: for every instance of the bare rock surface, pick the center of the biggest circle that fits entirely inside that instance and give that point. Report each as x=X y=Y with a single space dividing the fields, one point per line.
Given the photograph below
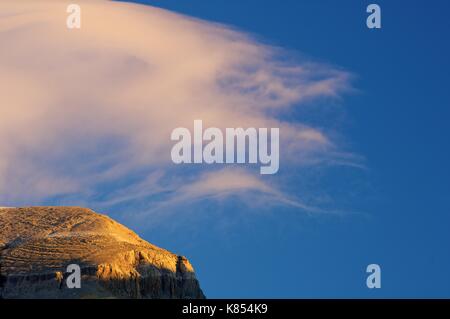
x=38 y=243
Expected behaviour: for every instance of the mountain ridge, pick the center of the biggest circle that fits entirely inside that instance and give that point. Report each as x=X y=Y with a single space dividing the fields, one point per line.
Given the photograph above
x=38 y=243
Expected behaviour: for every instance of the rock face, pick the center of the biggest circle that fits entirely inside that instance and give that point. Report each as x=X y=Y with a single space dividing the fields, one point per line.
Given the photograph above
x=38 y=243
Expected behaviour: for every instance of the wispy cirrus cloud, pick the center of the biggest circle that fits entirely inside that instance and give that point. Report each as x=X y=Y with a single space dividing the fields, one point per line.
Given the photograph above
x=219 y=184
x=86 y=114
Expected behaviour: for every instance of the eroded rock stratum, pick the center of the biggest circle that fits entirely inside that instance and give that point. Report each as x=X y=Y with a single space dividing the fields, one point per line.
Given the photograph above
x=38 y=243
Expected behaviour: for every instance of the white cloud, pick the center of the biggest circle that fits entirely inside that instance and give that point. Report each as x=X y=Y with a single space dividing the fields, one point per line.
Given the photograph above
x=81 y=108
x=220 y=184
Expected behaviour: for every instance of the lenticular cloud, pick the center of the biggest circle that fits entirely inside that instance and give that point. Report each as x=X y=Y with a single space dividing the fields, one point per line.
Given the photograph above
x=84 y=108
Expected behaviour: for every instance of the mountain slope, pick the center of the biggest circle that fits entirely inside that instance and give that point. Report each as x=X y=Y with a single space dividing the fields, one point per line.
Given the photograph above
x=38 y=243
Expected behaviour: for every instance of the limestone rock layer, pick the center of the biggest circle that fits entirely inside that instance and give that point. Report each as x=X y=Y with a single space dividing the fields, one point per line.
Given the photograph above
x=38 y=243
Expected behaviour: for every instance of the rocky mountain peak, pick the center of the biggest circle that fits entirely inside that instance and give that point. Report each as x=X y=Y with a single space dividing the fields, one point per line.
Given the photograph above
x=38 y=243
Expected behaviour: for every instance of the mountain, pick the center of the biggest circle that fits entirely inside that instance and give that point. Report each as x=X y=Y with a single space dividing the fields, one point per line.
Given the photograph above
x=38 y=243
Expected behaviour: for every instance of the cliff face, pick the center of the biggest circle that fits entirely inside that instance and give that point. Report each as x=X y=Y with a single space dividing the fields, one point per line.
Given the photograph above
x=38 y=243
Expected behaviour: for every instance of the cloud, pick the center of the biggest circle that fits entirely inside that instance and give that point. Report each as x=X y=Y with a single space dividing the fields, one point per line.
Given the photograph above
x=86 y=114
x=221 y=183
x=227 y=184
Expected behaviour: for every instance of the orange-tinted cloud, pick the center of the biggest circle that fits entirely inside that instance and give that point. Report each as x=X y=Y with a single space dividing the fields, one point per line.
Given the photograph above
x=89 y=106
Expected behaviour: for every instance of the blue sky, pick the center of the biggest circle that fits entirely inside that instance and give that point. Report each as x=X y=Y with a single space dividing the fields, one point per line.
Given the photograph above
x=370 y=152
x=397 y=120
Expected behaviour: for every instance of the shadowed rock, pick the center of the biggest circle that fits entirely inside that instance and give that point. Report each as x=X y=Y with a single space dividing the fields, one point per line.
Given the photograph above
x=38 y=243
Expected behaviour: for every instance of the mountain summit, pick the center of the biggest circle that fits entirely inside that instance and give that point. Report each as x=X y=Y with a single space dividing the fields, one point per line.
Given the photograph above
x=38 y=243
